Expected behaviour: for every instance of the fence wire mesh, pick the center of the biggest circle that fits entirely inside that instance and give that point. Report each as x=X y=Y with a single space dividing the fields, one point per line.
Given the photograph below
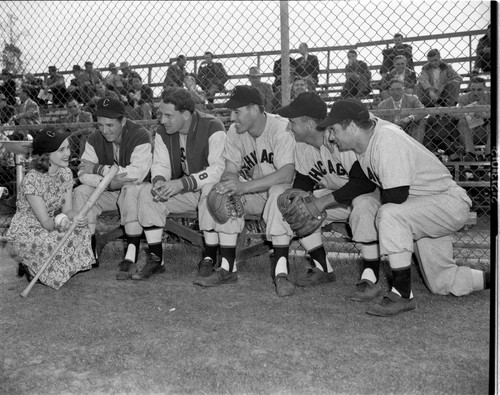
x=59 y=58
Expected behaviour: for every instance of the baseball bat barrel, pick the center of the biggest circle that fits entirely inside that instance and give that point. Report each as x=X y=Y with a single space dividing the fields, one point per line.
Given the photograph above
x=82 y=213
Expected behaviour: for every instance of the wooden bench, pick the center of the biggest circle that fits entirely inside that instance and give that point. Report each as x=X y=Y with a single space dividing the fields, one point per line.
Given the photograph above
x=251 y=241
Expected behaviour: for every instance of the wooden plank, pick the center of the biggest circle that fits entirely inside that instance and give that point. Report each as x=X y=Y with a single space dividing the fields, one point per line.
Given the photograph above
x=185 y=232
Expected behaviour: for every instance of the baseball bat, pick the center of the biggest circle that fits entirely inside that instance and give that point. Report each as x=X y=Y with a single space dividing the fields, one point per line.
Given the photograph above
x=82 y=213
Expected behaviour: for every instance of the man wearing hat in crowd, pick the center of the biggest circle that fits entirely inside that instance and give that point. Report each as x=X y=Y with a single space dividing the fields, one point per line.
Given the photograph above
x=332 y=173
x=254 y=76
x=127 y=144
x=176 y=73
x=113 y=80
x=421 y=205
x=127 y=75
x=259 y=154
x=76 y=85
x=57 y=86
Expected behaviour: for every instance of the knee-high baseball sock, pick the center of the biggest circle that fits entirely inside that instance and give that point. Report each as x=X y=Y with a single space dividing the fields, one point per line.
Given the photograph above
x=228 y=251
x=154 y=236
x=211 y=240
x=281 y=264
x=320 y=259
x=93 y=244
x=401 y=281
x=133 y=243
x=371 y=270
x=228 y=255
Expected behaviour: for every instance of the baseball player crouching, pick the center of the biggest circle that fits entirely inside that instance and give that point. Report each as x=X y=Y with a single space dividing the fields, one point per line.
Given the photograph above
x=258 y=147
x=187 y=161
x=338 y=174
x=127 y=144
x=421 y=205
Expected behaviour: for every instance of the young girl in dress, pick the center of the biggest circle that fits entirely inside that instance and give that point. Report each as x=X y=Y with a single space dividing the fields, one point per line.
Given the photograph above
x=44 y=213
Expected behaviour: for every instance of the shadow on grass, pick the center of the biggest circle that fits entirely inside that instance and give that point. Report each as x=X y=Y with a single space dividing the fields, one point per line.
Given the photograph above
x=165 y=335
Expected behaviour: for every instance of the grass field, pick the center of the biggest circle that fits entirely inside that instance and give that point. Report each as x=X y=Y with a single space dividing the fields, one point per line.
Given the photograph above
x=97 y=335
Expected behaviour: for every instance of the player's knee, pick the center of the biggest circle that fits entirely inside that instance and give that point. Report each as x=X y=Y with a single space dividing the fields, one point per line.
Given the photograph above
x=388 y=213
x=365 y=204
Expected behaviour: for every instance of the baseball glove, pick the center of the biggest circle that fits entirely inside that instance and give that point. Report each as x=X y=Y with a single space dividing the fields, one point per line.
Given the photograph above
x=223 y=207
x=300 y=211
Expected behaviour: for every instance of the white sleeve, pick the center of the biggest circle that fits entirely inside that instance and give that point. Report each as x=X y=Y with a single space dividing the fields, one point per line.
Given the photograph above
x=89 y=179
x=216 y=162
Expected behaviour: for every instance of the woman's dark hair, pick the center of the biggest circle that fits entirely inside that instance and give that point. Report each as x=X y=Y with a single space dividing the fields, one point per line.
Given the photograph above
x=41 y=163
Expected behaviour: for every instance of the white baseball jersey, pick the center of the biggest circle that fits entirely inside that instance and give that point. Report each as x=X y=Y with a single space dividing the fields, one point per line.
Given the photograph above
x=269 y=152
x=330 y=170
x=394 y=159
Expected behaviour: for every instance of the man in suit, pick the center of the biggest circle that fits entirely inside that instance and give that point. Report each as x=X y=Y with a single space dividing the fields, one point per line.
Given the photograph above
x=307 y=67
x=254 y=76
x=406 y=75
x=211 y=76
x=413 y=125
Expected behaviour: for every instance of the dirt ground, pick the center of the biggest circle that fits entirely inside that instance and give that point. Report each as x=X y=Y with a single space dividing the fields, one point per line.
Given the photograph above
x=97 y=335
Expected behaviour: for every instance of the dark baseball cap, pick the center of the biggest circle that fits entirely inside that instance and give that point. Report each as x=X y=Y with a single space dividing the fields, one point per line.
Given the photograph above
x=348 y=109
x=110 y=108
x=307 y=104
x=242 y=96
x=48 y=140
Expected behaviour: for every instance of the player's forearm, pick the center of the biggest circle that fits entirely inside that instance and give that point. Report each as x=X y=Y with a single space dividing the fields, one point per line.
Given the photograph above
x=281 y=176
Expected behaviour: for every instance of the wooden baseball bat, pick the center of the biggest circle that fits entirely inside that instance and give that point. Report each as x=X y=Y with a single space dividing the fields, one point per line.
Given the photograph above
x=83 y=212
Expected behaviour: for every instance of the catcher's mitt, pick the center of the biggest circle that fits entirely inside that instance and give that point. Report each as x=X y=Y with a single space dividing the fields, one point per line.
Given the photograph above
x=300 y=211
x=223 y=207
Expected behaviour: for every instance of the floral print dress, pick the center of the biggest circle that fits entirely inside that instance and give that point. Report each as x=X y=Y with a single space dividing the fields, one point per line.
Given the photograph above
x=32 y=244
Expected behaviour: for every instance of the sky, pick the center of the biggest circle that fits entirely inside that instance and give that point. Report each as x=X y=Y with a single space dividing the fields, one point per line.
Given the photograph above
x=145 y=32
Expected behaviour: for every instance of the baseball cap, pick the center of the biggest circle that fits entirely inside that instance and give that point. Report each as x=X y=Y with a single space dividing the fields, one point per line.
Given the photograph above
x=77 y=67
x=307 y=104
x=52 y=68
x=110 y=108
x=348 y=109
x=123 y=65
x=88 y=62
x=48 y=140
x=242 y=96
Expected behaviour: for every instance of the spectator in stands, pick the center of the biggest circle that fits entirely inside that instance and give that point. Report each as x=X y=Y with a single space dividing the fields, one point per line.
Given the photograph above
x=35 y=85
x=299 y=85
x=114 y=81
x=76 y=85
x=28 y=112
x=140 y=99
x=198 y=96
x=187 y=160
x=91 y=78
x=475 y=128
x=127 y=75
x=211 y=76
x=401 y=73
x=8 y=88
x=254 y=76
x=277 y=77
x=438 y=84
x=413 y=125
x=124 y=143
x=308 y=67
x=358 y=77
x=6 y=111
x=389 y=54
x=483 y=53
x=176 y=73
x=56 y=85
x=76 y=115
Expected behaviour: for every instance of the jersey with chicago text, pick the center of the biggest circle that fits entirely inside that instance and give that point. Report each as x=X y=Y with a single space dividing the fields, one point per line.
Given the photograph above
x=328 y=169
x=394 y=159
x=258 y=157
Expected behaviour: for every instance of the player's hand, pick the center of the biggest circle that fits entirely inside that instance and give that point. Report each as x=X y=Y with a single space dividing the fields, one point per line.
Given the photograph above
x=405 y=121
x=81 y=221
x=119 y=181
x=86 y=167
x=167 y=190
x=328 y=139
x=232 y=186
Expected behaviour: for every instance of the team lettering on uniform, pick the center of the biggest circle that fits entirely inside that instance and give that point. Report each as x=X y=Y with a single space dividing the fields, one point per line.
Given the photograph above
x=319 y=170
x=250 y=160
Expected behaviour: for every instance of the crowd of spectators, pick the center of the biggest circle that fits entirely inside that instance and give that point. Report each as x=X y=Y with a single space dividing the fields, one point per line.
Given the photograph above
x=438 y=84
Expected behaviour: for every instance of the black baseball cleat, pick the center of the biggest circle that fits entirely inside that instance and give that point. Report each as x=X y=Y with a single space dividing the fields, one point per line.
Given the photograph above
x=153 y=266
x=284 y=287
x=315 y=276
x=205 y=267
x=127 y=269
x=366 y=290
x=392 y=304
x=219 y=276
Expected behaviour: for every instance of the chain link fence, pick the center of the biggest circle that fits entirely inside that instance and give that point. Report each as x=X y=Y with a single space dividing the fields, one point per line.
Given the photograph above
x=59 y=58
